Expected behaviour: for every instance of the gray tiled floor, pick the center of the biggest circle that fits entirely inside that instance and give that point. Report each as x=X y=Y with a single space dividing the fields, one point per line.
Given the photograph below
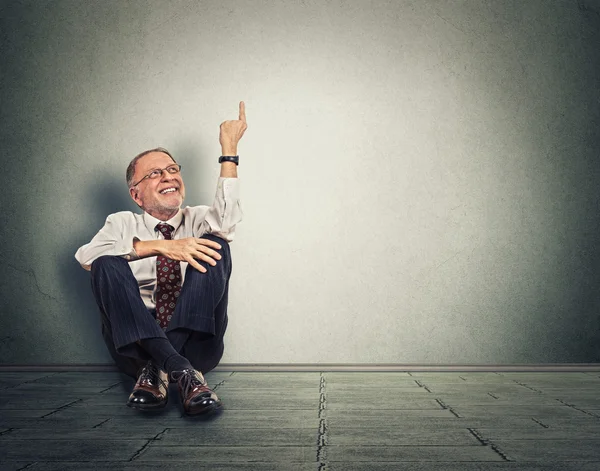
x=308 y=421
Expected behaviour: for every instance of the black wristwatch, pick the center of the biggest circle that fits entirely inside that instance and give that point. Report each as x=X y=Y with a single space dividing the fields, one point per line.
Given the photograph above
x=230 y=158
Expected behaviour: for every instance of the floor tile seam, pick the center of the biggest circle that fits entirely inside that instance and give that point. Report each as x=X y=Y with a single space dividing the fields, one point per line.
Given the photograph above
x=100 y=424
x=112 y=386
x=525 y=385
x=141 y=451
x=29 y=381
x=539 y=422
x=30 y=465
x=422 y=385
x=60 y=409
x=321 y=452
x=5 y=430
x=488 y=442
x=445 y=407
x=572 y=406
x=216 y=386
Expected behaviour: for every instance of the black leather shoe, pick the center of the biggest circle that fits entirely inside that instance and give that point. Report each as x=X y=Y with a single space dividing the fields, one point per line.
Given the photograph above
x=150 y=391
x=197 y=398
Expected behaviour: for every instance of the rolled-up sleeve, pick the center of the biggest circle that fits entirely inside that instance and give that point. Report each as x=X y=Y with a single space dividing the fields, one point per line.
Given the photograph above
x=112 y=239
x=226 y=211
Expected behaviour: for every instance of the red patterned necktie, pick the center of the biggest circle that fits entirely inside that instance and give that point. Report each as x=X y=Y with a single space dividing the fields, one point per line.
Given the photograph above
x=168 y=282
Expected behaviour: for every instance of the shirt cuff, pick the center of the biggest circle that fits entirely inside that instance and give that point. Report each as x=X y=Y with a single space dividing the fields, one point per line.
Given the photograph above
x=228 y=188
x=127 y=251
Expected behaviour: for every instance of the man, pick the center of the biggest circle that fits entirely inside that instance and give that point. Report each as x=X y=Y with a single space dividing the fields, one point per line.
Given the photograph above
x=161 y=278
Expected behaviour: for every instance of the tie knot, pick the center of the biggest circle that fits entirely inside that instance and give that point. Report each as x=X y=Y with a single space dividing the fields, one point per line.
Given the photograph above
x=165 y=229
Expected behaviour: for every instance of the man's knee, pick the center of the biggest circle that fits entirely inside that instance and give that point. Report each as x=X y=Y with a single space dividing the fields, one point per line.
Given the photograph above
x=224 y=261
x=224 y=250
x=222 y=242
x=107 y=262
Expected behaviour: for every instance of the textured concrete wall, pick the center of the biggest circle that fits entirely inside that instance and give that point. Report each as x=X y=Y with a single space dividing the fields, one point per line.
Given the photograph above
x=420 y=179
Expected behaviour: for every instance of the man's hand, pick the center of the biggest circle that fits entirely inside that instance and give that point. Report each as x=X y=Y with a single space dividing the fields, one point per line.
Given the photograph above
x=184 y=250
x=232 y=131
x=190 y=249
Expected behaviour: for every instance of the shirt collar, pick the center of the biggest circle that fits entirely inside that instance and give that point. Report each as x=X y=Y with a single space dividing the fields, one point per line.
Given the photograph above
x=151 y=221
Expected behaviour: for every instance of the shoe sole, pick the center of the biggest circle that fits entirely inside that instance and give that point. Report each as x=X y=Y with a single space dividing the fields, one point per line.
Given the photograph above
x=147 y=408
x=207 y=411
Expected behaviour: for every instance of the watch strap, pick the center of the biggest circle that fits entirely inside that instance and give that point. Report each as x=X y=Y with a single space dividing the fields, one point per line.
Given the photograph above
x=230 y=158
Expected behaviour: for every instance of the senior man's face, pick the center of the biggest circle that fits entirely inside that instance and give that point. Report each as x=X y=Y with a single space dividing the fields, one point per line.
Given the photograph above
x=162 y=196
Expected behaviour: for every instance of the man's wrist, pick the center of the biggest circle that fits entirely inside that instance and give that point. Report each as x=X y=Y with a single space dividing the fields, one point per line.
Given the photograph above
x=228 y=168
x=148 y=248
x=229 y=151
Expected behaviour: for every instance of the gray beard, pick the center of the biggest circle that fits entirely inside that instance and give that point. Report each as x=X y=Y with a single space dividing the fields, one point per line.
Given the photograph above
x=159 y=209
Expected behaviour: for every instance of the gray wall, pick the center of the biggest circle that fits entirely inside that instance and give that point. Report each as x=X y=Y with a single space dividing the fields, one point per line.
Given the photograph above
x=420 y=179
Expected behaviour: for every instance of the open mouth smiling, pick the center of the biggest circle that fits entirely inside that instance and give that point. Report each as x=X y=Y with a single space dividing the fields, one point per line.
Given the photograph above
x=168 y=190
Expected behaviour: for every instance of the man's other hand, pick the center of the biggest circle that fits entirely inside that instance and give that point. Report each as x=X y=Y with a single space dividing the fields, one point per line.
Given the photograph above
x=190 y=249
x=232 y=131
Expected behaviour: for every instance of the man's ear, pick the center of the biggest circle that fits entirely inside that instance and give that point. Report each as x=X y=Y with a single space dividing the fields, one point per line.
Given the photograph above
x=134 y=195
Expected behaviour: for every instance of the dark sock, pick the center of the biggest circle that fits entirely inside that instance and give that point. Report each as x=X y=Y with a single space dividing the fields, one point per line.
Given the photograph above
x=164 y=355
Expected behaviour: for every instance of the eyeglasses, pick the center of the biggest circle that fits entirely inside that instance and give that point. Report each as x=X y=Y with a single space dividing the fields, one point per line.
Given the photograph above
x=156 y=173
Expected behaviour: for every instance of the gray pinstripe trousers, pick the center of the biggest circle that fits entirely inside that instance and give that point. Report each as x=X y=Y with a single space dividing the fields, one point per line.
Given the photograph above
x=198 y=324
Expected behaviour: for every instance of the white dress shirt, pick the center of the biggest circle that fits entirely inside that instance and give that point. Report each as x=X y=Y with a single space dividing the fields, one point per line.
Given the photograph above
x=122 y=228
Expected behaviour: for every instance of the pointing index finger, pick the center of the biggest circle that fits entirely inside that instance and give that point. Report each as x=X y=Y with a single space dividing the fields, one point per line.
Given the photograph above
x=242 y=111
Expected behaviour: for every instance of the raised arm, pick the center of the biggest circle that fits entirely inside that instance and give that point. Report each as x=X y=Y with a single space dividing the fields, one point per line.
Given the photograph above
x=230 y=133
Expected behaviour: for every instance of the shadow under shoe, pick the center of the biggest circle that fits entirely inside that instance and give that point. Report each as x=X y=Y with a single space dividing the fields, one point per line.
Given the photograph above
x=197 y=398
x=151 y=389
